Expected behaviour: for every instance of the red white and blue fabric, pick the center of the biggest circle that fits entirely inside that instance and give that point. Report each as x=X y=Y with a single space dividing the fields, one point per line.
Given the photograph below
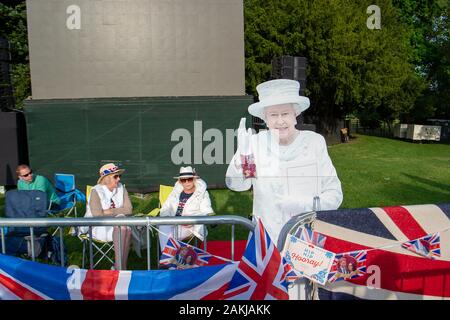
x=428 y=246
x=248 y=166
x=310 y=236
x=109 y=170
x=261 y=274
x=170 y=256
x=359 y=261
x=403 y=274
x=291 y=274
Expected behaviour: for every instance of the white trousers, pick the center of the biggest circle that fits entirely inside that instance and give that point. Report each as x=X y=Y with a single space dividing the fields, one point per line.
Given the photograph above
x=183 y=233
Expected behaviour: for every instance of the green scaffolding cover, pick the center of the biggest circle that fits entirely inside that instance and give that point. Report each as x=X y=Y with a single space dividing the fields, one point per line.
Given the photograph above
x=140 y=134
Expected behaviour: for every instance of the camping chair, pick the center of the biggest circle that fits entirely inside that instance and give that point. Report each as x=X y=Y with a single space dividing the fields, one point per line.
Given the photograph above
x=26 y=204
x=101 y=250
x=164 y=192
x=68 y=195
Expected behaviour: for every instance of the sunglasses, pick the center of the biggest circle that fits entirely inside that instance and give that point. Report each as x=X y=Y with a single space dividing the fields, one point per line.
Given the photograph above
x=27 y=174
x=116 y=176
x=186 y=180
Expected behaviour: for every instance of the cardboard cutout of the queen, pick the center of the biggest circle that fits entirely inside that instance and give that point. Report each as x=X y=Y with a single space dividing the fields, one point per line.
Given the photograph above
x=286 y=167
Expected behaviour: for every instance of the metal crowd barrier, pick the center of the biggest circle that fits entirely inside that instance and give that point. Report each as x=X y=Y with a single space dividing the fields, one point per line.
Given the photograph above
x=125 y=221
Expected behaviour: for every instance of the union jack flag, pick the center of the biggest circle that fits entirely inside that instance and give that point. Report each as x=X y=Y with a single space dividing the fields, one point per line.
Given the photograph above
x=348 y=265
x=310 y=236
x=401 y=273
x=261 y=274
x=428 y=246
x=180 y=255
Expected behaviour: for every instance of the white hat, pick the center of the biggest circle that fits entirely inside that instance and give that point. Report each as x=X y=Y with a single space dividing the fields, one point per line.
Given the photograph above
x=186 y=172
x=275 y=92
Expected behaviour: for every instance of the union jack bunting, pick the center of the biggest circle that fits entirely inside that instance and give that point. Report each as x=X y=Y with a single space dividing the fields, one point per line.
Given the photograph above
x=263 y=276
x=348 y=265
x=291 y=274
x=261 y=273
x=310 y=236
x=180 y=255
x=428 y=246
x=399 y=273
x=26 y=280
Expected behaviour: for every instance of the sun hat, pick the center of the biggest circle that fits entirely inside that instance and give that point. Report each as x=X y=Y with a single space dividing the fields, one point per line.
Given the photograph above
x=186 y=172
x=275 y=92
x=108 y=169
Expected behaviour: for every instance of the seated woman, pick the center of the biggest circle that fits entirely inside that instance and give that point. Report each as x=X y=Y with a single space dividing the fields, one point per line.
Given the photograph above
x=188 y=198
x=109 y=198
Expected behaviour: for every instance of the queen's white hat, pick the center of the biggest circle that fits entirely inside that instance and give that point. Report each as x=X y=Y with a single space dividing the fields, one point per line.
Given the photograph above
x=277 y=92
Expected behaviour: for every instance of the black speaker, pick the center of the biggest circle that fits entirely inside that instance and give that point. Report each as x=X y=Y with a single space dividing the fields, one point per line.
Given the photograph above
x=289 y=67
x=14 y=150
x=294 y=68
x=6 y=89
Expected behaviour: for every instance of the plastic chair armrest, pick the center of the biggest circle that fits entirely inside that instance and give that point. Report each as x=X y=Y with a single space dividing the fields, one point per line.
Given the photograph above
x=154 y=212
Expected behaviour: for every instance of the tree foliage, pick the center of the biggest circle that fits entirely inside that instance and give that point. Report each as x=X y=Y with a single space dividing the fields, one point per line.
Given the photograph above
x=430 y=43
x=13 y=26
x=351 y=68
x=401 y=71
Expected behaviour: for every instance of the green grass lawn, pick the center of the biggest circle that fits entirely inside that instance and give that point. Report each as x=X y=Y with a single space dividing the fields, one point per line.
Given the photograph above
x=374 y=172
x=381 y=172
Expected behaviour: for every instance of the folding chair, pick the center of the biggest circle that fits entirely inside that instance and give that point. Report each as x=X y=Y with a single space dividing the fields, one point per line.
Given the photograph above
x=26 y=204
x=68 y=194
x=164 y=192
x=101 y=250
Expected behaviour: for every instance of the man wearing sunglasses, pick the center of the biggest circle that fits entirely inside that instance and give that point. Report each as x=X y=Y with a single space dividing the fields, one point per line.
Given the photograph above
x=189 y=197
x=30 y=181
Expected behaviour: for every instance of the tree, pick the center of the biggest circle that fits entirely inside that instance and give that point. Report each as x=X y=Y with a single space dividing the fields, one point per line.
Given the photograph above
x=430 y=42
x=351 y=69
x=13 y=26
